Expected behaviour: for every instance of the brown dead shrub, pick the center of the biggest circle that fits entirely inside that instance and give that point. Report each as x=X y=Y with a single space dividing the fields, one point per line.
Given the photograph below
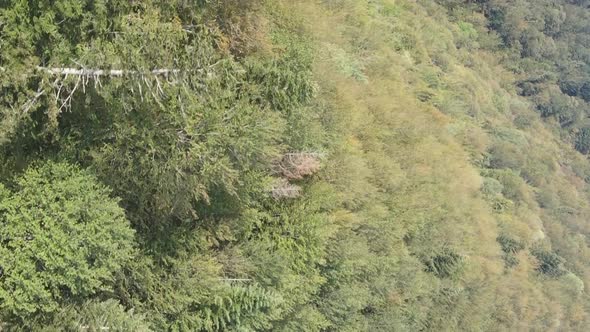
x=296 y=166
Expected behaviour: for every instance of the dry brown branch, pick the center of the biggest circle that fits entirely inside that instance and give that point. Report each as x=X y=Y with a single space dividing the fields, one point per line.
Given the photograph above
x=296 y=166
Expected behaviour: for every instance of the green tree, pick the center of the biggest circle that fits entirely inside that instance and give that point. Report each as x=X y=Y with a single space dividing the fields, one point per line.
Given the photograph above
x=62 y=239
x=550 y=263
x=95 y=316
x=582 y=141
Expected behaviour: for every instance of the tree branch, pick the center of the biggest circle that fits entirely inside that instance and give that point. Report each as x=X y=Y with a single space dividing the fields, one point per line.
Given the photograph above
x=31 y=102
x=235 y=279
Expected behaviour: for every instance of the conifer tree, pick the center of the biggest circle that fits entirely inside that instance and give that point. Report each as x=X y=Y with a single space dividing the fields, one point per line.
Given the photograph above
x=63 y=240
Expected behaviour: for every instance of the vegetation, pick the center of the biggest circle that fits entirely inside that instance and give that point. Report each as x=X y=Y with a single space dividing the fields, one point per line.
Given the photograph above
x=337 y=165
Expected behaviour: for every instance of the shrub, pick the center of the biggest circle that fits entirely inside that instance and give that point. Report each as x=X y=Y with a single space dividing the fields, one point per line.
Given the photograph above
x=547 y=197
x=582 y=140
x=550 y=264
x=492 y=192
x=564 y=108
x=506 y=155
x=510 y=260
x=445 y=264
x=585 y=91
x=491 y=187
x=513 y=186
x=509 y=245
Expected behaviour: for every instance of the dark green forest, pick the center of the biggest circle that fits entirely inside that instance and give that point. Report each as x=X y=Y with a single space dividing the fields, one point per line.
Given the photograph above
x=310 y=165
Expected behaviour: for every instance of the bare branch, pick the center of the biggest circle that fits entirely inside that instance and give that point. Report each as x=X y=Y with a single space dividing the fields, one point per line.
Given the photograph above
x=68 y=101
x=308 y=154
x=102 y=328
x=29 y=104
x=283 y=189
x=235 y=279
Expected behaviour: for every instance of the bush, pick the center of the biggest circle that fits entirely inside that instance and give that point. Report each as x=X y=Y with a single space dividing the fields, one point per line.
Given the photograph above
x=547 y=197
x=446 y=264
x=513 y=186
x=550 y=264
x=510 y=260
x=564 y=108
x=506 y=155
x=491 y=187
x=585 y=92
x=63 y=238
x=582 y=141
x=509 y=245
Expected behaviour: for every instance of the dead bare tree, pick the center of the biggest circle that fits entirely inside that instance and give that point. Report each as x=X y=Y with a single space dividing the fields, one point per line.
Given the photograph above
x=297 y=165
x=283 y=190
x=291 y=167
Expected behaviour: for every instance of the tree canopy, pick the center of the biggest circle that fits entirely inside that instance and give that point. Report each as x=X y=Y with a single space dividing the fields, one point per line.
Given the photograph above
x=341 y=165
x=63 y=240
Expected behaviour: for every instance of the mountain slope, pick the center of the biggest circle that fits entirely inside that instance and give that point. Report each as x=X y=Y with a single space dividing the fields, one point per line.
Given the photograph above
x=336 y=165
x=457 y=168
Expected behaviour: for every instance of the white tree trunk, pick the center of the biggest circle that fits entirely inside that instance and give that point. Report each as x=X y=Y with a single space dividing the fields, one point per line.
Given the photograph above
x=101 y=72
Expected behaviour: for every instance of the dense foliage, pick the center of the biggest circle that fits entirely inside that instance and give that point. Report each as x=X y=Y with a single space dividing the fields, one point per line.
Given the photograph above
x=63 y=239
x=336 y=165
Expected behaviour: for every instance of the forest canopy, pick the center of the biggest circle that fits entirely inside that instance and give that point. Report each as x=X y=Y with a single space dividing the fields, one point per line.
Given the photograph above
x=270 y=165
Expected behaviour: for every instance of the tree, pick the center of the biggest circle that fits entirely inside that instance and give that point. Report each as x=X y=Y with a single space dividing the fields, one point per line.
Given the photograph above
x=582 y=142
x=585 y=91
x=445 y=264
x=63 y=237
x=95 y=316
x=158 y=112
x=550 y=264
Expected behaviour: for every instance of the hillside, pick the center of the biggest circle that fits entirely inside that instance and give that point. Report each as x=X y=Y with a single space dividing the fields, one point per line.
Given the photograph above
x=270 y=165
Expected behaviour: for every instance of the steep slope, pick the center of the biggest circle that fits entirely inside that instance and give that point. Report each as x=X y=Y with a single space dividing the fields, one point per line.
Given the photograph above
x=454 y=193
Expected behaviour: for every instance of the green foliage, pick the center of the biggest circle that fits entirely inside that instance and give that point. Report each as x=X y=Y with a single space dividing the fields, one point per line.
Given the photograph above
x=582 y=142
x=550 y=264
x=348 y=64
x=435 y=175
x=63 y=238
x=96 y=316
x=509 y=245
x=506 y=155
x=236 y=308
x=492 y=190
x=510 y=260
x=445 y=264
x=491 y=187
x=564 y=108
x=548 y=49
x=284 y=83
x=468 y=35
x=513 y=186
